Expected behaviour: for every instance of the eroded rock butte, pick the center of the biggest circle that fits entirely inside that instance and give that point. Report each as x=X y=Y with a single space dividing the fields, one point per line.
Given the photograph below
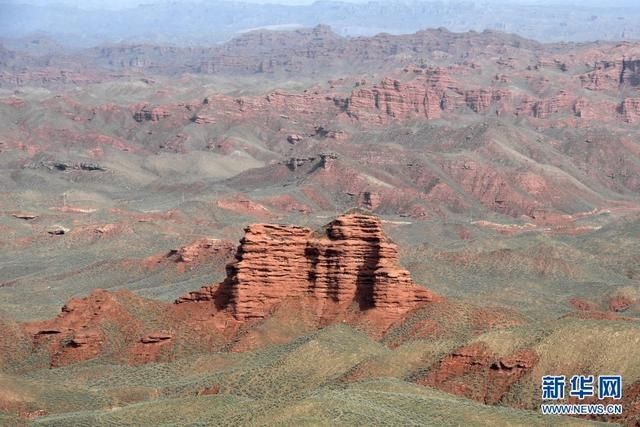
x=351 y=261
x=348 y=271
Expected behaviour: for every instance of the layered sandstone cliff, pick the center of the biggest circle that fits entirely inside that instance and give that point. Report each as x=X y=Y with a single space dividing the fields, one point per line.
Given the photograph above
x=153 y=114
x=630 y=109
x=474 y=371
x=351 y=263
x=610 y=74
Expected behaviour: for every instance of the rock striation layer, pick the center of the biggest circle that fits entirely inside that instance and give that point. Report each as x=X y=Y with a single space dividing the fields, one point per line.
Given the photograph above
x=350 y=263
x=474 y=371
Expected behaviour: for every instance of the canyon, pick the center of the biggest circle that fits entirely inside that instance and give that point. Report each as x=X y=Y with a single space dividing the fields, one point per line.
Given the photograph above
x=466 y=210
x=347 y=272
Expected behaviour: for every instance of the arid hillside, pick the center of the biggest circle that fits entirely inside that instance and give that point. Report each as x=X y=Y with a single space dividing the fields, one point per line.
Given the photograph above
x=436 y=220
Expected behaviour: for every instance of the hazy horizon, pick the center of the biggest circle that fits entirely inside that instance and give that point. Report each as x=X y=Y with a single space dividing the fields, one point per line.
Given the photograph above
x=128 y=4
x=79 y=23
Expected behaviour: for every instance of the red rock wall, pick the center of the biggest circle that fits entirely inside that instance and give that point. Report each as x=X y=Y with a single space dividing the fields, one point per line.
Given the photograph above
x=424 y=97
x=351 y=262
x=475 y=372
x=631 y=110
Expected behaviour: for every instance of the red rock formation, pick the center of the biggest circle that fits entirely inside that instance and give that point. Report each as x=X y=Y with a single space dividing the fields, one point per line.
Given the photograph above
x=630 y=73
x=206 y=250
x=481 y=100
x=348 y=271
x=630 y=110
x=203 y=249
x=561 y=103
x=369 y=200
x=605 y=75
x=620 y=303
x=203 y=119
x=311 y=102
x=243 y=206
x=475 y=372
x=149 y=347
x=490 y=187
x=424 y=97
x=350 y=262
x=462 y=361
x=287 y=203
x=583 y=109
x=77 y=330
x=430 y=94
x=631 y=405
x=153 y=114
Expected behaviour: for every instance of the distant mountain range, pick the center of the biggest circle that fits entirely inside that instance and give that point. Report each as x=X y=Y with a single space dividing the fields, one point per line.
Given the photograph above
x=198 y=23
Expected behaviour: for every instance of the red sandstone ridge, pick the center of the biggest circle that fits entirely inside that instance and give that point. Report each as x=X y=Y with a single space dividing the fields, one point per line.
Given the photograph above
x=348 y=271
x=475 y=372
x=350 y=263
x=630 y=109
x=78 y=332
x=153 y=114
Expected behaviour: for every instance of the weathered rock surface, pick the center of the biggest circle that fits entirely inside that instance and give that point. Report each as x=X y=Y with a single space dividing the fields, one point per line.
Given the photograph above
x=433 y=93
x=630 y=109
x=203 y=249
x=24 y=215
x=475 y=372
x=77 y=330
x=620 y=303
x=392 y=99
x=57 y=230
x=350 y=263
x=612 y=73
x=153 y=114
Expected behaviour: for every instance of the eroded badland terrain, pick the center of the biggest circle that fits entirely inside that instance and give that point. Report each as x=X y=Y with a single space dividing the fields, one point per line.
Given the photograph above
x=428 y=223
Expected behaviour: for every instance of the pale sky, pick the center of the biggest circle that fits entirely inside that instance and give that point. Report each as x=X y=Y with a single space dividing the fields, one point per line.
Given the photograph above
x=119 y=4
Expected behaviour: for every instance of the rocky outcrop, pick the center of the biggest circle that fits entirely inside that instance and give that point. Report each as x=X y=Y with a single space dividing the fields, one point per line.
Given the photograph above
x=560 y=103
x=204 y=248
x=350 y=263
x=434 y=93
x=56 y=165
x=327 y=160
x=480 y=101
x=369 y=200
x=431 y=93
x=57 y=230
x=610 y=74
x=630 y=109
x=605 y=76
x=489 y=186
x=294 y=138
x=391 y=99
x=474 y=371
x=620 y=303
x=150 y=346
x=24 y=215
x=202 y=119
x=76 y=334
x=153 y=114
x=294 y=163
x=322 y=160
x=630 y=74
